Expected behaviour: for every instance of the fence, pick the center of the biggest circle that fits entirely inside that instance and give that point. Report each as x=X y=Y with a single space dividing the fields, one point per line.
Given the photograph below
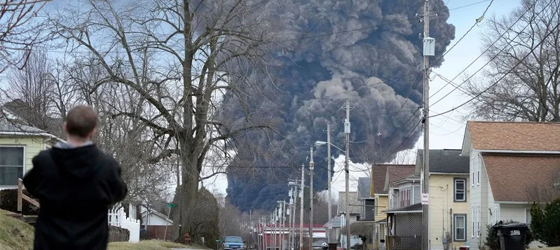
x=404 y=243
x=117 y=218
x=21 y=196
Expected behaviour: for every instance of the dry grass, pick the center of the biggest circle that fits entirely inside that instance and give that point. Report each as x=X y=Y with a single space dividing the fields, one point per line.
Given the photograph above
x=15 y=234
x=148 y=245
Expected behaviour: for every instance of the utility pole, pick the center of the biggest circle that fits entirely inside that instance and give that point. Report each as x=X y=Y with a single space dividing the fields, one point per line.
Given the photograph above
x=295 y=195
x=429 y=46
x=274 y=227
x=347 y=170
x=282 y=212
x=301 y=208
x=329 y=180
x=290 y=213
x=311 y=168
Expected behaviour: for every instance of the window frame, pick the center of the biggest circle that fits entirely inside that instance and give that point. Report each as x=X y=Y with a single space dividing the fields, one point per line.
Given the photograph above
x=24 y=167
x=455 y=227
x=455 y=180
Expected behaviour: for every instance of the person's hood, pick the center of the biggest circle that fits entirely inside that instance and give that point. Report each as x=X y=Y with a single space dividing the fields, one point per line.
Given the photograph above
x=80 y=162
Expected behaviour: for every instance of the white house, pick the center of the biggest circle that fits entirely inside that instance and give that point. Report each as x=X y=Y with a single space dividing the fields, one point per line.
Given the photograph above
x=510 y=162
x=157 y=225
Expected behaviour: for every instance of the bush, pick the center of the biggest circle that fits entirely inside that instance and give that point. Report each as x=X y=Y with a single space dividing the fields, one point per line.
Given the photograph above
x=493 y=240
x=8 y=202
x=545 y=222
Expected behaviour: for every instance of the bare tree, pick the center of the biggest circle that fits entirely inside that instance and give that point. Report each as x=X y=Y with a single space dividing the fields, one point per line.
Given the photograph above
x=524 y=49
x=230 y=220
x=30 y=90
x=174 y=56
x=405 y=157
x=18 y=31
x=545 y=192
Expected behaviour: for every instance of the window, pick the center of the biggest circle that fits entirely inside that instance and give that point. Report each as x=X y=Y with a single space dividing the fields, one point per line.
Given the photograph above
x=460 y=190
x=478 y=166
x=11 y=165
x=460 y=227
x=528 y=217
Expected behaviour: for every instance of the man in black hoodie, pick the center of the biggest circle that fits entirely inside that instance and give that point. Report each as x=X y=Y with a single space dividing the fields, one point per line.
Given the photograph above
x=76 y=184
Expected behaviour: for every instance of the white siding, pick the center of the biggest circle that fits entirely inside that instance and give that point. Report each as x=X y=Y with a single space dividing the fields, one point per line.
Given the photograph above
x=514 y=212
x=475 y=197
x=154 y=220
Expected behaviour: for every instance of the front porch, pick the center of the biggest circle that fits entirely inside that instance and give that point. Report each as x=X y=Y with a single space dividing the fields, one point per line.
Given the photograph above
x=405 y=228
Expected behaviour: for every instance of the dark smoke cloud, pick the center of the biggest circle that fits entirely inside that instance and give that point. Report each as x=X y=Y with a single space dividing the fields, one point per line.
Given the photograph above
x=371 y=55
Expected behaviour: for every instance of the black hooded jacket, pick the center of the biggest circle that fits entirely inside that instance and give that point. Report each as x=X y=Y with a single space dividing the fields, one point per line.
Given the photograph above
x=75 y=187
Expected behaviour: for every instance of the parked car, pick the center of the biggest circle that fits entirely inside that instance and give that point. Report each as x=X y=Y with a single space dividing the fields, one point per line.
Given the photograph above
x=234 y=243
x=465 y=246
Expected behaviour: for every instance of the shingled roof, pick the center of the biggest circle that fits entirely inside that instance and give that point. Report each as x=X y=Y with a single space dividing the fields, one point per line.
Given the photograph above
x=512 y=136
x=445 y=161
x=378 y=174
x=514 y=177
x=353 y=197
x=396 y=173
x=364 y=184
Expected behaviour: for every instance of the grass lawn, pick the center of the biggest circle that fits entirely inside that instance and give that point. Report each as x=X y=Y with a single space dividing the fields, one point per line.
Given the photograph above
x=149 y=245
x=15 y=234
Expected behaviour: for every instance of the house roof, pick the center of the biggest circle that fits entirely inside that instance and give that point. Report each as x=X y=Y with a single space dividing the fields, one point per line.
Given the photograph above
x=353 y=196
x=396 y=173
x=515 y=136
x=335 y=222
x=20 y=112
x=7 y=126
x=378 y=174
x=445 y=161
x=156 y=213
x=515 y=177
x=414 y=208
x=364 y=184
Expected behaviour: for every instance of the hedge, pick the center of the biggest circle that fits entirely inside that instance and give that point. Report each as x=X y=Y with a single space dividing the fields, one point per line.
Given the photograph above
x=8 y=202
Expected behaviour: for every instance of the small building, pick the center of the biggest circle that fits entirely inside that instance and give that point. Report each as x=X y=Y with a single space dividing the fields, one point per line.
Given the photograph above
x=156 y=225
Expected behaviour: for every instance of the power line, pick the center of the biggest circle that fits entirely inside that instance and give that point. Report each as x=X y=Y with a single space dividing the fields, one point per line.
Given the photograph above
x=482 y=54
x=502 y=77
x=469 y=5
x=477 y=21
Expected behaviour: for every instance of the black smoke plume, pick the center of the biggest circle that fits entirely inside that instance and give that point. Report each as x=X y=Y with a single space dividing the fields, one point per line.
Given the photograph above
x=366 y=51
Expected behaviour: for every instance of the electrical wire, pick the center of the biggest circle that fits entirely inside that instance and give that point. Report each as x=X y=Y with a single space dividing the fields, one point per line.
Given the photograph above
x=469 y=5
x=477 y=21
x=482 y=54
x=504 y=75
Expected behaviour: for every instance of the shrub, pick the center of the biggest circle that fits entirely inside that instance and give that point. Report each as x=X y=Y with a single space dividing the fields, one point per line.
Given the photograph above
x=493 y=240
x=545 y=222
x=8 y=202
